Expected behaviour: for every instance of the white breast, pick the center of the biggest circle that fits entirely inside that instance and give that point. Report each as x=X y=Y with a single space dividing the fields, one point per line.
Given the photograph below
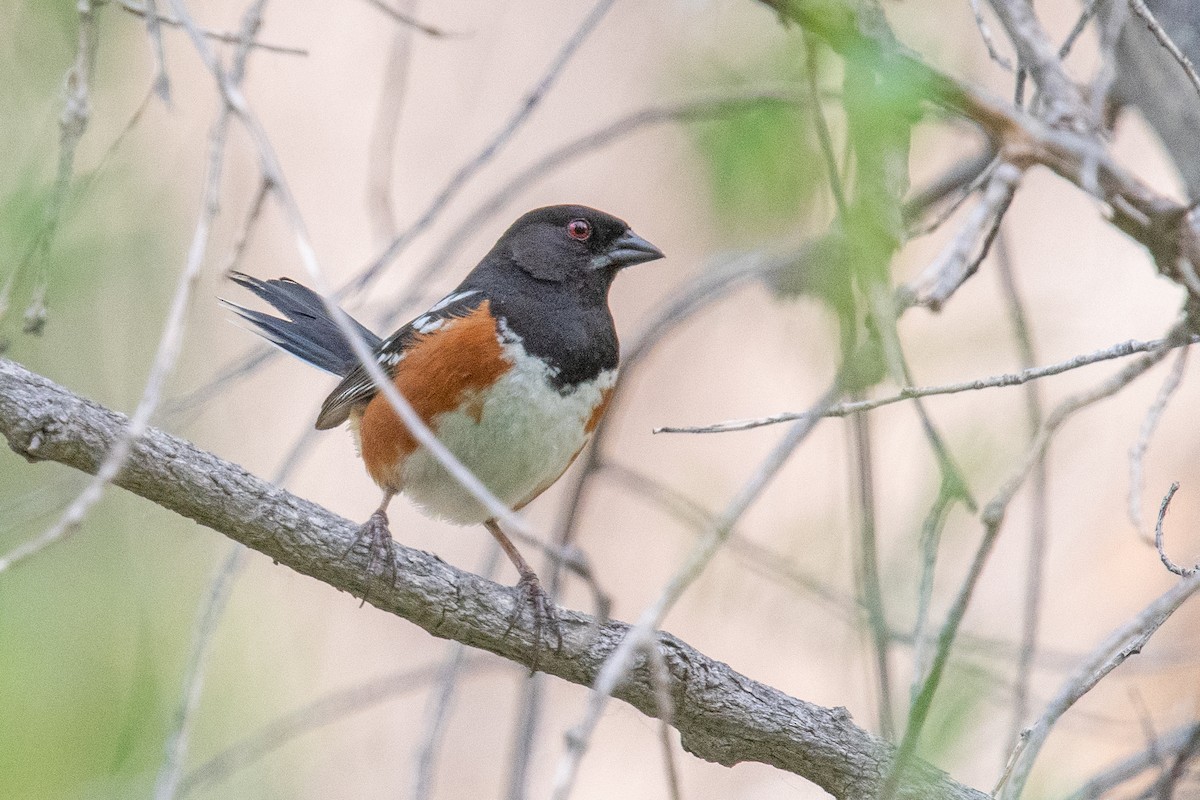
x=526 y=436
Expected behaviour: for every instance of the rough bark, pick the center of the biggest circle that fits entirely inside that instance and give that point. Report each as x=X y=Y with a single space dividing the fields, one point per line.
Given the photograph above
x=721 y=716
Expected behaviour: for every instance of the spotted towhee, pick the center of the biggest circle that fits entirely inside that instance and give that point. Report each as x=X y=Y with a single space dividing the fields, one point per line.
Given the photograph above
x=512 y=370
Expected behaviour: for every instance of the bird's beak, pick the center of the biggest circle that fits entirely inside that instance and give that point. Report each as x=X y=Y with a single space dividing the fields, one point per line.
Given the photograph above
x=627 y=250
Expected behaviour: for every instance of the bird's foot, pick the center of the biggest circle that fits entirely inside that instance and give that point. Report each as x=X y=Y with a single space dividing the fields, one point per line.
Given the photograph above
x=542 y=607
x=381 y=549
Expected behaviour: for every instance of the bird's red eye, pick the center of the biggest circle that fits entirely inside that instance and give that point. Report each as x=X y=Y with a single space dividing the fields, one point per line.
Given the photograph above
x=579 y=229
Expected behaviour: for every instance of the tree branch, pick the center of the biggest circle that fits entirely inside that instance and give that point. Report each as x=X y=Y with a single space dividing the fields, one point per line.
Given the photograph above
x=722 y=716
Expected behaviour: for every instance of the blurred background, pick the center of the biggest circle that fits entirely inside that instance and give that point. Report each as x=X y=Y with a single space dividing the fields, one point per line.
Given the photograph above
x=95 y=633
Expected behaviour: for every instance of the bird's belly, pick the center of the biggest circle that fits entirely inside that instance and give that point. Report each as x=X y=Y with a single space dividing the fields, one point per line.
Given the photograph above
x=518 y=438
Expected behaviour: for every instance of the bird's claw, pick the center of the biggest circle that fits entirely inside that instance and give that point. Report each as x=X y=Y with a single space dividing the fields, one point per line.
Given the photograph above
x=539 y=602
x=381 y=548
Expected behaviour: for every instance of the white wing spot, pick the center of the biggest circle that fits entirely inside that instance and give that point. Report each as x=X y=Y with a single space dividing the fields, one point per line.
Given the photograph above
x=427 y=324
x=452 y=298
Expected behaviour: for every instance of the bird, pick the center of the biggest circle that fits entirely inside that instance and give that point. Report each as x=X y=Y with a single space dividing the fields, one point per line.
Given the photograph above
x=512 y=371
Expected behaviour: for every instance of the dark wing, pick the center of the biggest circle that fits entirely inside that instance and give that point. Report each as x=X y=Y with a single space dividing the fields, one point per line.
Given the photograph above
x=357 y=388
x=306 y=329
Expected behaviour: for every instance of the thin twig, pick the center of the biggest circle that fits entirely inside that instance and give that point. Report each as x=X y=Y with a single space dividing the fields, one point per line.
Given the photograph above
x=993 y=519
x=1147 y=16
x=169 y=345
x=661 y=679
x=1165 y=786
x=964 y=190
x=89 y=179
x=218 y=36
x=955 y=264
x=985 y=32
x=1137 y=453
x=1111 y=23
x=1120 y=350
x=381 y=147
x=730 y=717
x=958 y=182
x=72 y=125
x=772 y=565
x=404 y=17
x=171 y=770
x=441 y=702
x=235 y=101
x=242 y=240
x=500 y=199
x=1061 y=96
x=170 y=773
x=467 y=171
x=931 y=537
x=1158 y=537
x=1133 y=766
x=1124 y=642
x=1035 y=562
x=715 y=283
x=822 y=126
x=326 y=710
x=162 y=83
x=885 y=311
x=1089 y=10
x=642 y=635
x=871 y=589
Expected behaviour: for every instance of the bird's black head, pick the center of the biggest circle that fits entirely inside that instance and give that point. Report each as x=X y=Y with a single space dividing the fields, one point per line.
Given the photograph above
x=573 y=244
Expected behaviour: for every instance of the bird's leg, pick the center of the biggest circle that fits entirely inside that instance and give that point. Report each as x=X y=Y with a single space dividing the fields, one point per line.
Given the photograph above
x=535 y=596
x=380 y=545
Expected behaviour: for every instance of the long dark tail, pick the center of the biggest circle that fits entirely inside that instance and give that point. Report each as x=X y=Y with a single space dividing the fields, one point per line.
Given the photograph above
x=308 y=332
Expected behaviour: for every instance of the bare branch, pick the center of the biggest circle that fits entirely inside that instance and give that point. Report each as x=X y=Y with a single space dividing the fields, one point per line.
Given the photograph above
x=1124 y=642
x=405 y=18
x=993 y=519
x=73 y=123
x=1120 y=350
x=1035 y=561
x=169 y=345
x=1158 y=537
x=989 y=41
x=381 y=148
x=956 y=264
x=1164 y=225
x=218 y=36
x=1037 y=54
x=863 y=475
x=162 y=83
x=623 y=660
x=1089 y=11
x=323 y=711
x=467 y=171
x=242 y=240
x=235 y=103
x=722 y=716
x=1139 y=7
x=1171 y=744
x=167 y=785
x=500 y=199
x=661 y=679
x=441 y=702
x=931 y=537
x=1137 y=453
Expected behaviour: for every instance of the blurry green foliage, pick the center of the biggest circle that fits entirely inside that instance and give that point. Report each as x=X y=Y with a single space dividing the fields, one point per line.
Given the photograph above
x=762 y=165
x=92 y=631
x=958 y=709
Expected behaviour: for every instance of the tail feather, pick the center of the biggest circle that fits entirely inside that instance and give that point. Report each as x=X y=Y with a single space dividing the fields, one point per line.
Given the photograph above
x=306 y=331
